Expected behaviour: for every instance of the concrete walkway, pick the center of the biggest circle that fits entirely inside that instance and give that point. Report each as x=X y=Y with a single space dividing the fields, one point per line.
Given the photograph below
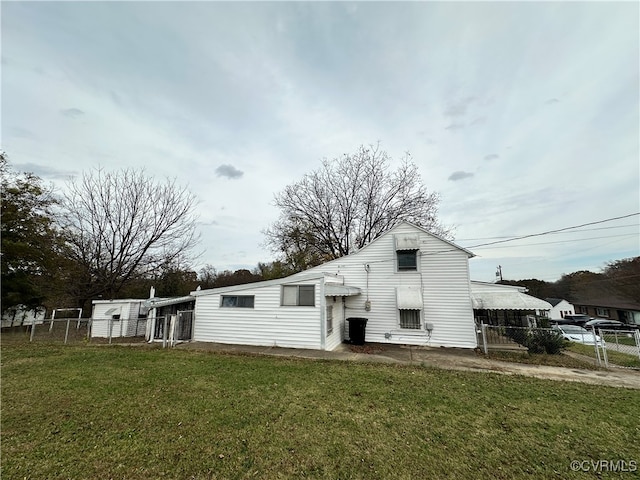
x=447 y=358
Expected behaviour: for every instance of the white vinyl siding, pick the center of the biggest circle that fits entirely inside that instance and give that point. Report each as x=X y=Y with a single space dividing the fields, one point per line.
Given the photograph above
x=442 y=276
x=126 y=322
x=267 y=324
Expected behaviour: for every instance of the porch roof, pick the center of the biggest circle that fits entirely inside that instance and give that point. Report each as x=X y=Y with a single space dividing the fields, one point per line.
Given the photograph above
x=332 y=290
x=507 y=300
x=164 y=302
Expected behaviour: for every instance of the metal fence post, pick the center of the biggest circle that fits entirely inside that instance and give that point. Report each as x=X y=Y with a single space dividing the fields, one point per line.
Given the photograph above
x=110 y=325
x=485 y=347
x=33 y=329
x=636 y=334
x=596 y=346
x=164 y=332
x=66 y=333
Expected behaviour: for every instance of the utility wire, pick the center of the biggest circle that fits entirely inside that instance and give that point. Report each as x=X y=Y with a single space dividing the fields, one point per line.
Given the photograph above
x=553 y=231
x=559 y=241
x=579 y=231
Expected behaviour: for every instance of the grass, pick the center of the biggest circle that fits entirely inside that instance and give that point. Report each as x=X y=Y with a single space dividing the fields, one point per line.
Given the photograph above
x=541 y=359
x=616 y=358
x=145 y=413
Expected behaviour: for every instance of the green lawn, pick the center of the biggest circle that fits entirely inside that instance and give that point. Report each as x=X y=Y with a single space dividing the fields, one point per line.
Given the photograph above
x=615 y=358
x=141 y=413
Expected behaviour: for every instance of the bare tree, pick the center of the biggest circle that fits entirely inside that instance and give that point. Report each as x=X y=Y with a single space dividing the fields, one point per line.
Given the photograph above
x=346 y=204
x=123 y=225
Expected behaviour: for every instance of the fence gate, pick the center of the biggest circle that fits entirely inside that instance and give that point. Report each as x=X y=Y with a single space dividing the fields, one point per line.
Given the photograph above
x=616 y=346
x=184 y=326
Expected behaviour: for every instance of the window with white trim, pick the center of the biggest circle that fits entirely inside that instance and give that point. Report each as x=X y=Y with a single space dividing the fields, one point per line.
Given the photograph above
x=237 y=301
x=410 y=319
x=329 y=317
x=602 y=312
x=299 y=295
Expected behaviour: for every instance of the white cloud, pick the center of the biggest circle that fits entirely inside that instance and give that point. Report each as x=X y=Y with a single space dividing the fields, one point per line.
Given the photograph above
x=538 y=102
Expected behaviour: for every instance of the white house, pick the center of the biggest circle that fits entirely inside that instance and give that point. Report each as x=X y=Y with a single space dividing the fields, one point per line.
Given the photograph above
x=118 y=318
x=412 y=286
x=21 y=315
x=559 y=308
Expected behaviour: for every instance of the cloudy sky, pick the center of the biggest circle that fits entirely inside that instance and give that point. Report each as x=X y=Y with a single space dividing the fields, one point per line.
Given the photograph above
x=524 y=116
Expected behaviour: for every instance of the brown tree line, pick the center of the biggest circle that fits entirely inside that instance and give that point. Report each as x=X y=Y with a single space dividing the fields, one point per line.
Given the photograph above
x=619 y=281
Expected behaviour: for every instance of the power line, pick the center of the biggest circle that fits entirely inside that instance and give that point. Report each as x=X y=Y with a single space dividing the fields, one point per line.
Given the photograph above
x=560 y=241
x=580 y=231
x=553 y=231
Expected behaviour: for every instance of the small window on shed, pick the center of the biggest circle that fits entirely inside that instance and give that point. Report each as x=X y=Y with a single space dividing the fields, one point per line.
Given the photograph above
x=298 y=295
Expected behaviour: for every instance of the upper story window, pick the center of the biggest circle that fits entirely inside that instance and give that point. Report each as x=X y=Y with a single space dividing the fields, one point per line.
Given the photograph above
x=237 y=301
x=602 y=312
x=407 y=260
x=299 y=295
x=407 y=247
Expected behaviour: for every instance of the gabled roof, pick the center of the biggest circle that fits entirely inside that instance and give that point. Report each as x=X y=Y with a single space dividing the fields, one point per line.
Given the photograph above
x=390 y=232
x=617 y=303
x=555 y=301
x=295 y=278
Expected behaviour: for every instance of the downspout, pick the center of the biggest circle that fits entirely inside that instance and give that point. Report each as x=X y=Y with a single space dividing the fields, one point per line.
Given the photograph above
x=323 y=314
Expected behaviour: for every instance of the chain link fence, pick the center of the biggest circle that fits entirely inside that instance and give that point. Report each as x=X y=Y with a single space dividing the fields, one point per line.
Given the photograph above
x=168 y=330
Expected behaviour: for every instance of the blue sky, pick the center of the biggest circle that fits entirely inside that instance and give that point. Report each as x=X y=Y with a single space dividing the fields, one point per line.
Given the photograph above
x=523 y=116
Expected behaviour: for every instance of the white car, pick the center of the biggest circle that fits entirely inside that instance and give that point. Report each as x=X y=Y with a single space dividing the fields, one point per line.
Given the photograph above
x=577 y=334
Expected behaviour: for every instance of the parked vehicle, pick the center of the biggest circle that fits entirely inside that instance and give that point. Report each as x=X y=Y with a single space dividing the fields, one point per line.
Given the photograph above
x=577 y=319
x=577 y=334
x=608 y=324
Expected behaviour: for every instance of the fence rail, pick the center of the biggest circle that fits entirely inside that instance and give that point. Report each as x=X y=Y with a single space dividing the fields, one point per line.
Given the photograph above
x=168 y=329
x=605 y=347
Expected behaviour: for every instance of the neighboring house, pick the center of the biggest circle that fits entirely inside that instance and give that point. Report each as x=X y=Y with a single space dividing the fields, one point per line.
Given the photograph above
x=118 y=318
x=560 y=308
x=496 y=304
x=610 y=308
x=21 y=315
x=412 y=286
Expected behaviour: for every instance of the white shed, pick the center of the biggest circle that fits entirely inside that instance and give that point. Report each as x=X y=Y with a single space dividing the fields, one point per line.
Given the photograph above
x=118 y=318
x=412 y=287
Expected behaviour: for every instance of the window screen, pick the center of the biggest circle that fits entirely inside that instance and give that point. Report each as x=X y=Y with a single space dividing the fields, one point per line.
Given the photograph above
x=407 y=260
x=410 y=319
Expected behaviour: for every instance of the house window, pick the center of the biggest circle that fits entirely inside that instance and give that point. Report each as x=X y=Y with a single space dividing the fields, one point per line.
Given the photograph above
x=582 y=309
x=237 y=301
x=602 y=312
x=410 y=319
x=329 y=319
x=298 y=295
x=407 y=260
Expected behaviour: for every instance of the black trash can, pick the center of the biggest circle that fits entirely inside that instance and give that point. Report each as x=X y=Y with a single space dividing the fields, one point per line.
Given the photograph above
x=357 y=328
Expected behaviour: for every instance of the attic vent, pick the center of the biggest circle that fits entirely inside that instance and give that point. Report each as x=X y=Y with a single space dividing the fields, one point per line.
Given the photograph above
x=407 y=242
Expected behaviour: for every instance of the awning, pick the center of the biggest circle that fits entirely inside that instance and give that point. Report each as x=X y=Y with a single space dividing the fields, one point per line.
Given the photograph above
x=163 y=302
x=331 y=290
x=113 y=311
x=407 y=242
x=409 y=298
x=507 y=300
